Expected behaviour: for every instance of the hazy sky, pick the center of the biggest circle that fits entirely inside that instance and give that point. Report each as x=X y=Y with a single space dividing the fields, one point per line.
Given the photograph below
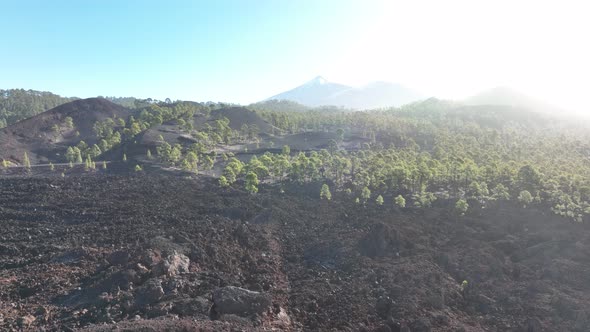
x=244 y=51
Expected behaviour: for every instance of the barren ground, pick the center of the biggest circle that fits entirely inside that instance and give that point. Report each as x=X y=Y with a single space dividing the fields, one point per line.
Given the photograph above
x=84 y=252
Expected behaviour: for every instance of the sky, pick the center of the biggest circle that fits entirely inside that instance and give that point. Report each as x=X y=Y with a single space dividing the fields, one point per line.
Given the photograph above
x=245 y=51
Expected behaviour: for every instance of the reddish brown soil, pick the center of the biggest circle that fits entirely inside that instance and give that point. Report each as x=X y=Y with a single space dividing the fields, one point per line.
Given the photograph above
x=77 y=252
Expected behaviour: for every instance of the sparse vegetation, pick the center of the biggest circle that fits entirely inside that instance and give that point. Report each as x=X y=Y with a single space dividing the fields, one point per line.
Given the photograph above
x=373 y=207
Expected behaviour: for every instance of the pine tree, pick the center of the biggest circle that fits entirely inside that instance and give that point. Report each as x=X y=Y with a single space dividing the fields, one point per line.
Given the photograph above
x=149 y=154
x=51 y=166
x=325 y=192
x=223 y=182
x=104 y=165
x=124 y=157
x=70 y=154
x=69 y=122
x=229 y=175
x=252 y=182
x=379 y=200
x=138 y=168
x=365 y=194
x=286 y=150
x=78 y=155
x=525 y=198
x=26 y=161
x=461 y=206
x=88 y=163
x=400 y=201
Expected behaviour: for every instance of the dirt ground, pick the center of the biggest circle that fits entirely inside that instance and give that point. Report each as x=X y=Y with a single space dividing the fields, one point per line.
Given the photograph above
x=149 y=252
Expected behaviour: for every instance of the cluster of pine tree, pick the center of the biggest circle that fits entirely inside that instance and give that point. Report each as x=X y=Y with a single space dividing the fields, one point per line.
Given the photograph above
x=432 y=150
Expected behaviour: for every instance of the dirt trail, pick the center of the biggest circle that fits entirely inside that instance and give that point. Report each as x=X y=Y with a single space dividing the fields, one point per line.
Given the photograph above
x=282 y=288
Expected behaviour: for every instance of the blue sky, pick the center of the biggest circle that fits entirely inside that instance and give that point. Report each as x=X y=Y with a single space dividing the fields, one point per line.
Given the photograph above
x=244 y=51
x=238 y=51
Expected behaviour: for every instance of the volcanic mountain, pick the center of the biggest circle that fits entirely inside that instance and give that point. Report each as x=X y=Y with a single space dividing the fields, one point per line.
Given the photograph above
x=321 y=92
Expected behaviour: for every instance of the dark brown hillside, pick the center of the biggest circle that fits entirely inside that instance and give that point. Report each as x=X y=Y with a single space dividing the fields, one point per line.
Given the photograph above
x=172 y=133
x=37 y=137
x=239 y=116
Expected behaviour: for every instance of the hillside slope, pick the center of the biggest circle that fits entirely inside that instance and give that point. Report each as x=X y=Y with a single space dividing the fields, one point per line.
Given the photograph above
x=37 y=135
x=509 y=97
x=19 y=104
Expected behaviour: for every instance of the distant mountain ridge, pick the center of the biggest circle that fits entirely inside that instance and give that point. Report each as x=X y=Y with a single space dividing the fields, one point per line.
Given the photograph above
x=321 y=92
x=505 y=96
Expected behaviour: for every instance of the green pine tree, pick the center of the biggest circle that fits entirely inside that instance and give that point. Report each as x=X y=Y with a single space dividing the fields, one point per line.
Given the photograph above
x=379 y=200
x=223 y=182
x=252 y=182
x=461 y=206
x=26 y=161
x=325 y=192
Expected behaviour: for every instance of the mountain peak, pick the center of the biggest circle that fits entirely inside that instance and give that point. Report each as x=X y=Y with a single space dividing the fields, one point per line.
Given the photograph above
x=318 y=80
x=321 y=92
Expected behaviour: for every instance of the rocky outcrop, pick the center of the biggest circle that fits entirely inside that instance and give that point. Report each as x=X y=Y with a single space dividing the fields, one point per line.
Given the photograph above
x=239 y=301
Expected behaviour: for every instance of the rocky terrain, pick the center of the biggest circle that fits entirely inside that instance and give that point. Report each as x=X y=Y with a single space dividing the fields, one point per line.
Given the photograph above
x=163 y=252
